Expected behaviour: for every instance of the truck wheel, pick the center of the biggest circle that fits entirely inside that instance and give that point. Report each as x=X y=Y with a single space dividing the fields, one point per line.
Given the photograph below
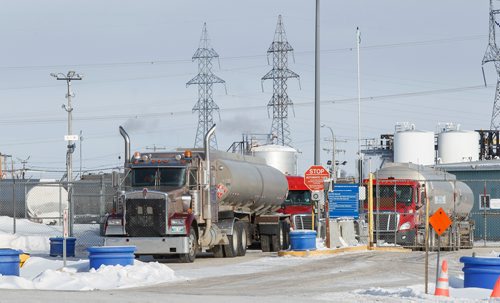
x=193 y=248
x=277 y=239
x=265 y=243
x=231 y=249
x=242 y=237
x=285 y=244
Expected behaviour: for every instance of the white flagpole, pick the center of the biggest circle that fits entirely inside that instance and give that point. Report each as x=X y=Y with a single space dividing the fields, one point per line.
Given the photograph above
x=360 y=172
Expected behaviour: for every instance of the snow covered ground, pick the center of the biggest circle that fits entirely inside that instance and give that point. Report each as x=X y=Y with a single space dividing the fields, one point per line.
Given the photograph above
x=41 y=271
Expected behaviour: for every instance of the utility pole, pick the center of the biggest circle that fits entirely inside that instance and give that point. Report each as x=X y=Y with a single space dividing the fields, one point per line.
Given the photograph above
x=81 y=145
x=317 y=155
x=23 y=172
x=70 y=76
x=334 y=175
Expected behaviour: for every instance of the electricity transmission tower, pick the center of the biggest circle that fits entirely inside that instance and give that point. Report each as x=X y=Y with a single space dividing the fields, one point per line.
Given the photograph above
x=492 y=55
x=205 y=81
x=280 y=73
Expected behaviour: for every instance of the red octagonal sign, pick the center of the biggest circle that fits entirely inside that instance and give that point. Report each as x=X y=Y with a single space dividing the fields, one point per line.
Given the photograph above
x=314 y=177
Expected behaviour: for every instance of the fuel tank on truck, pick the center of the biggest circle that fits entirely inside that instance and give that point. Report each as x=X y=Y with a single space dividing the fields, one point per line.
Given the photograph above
x=247 y=182
x=443 y=189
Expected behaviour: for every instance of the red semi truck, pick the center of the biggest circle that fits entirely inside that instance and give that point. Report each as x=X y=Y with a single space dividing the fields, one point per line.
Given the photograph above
x=298 y=203
x=400 y=194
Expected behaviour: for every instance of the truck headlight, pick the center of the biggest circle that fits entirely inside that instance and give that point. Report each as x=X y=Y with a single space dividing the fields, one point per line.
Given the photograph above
x=405 y=226
x=117 y=221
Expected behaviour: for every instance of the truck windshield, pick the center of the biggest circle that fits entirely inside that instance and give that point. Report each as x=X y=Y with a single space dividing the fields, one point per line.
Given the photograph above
x=153 y=176
x=298 y=197
x=387 y=195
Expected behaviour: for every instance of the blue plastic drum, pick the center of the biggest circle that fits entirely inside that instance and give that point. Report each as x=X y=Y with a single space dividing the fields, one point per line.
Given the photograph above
x=56 y=246
x=9 y=262
x=480 y=272
x=303 y=239
x=111 y=255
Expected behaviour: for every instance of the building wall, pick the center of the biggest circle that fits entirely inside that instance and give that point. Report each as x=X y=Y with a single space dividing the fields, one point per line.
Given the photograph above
x=487 y=221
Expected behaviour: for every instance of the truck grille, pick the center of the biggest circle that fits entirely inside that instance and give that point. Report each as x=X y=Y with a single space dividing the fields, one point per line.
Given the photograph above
x=145 y=217
x=384 y=221
x=302 y=221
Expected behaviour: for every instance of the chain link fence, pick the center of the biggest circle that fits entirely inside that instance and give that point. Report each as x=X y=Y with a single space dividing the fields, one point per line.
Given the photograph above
x=32 y=211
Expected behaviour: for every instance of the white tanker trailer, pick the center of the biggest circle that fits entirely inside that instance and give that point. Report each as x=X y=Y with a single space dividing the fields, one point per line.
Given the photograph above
x=187 y=201
x=400 y=194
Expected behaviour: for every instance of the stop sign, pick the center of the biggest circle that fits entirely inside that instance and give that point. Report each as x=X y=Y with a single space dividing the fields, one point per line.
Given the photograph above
x=315 y=176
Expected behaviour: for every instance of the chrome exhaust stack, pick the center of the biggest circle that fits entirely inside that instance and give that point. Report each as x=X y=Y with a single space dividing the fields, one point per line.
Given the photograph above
x=127 y=145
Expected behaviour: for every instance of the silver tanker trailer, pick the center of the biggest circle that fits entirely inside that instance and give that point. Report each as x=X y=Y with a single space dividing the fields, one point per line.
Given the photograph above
x=400 y=196
x=187 y=201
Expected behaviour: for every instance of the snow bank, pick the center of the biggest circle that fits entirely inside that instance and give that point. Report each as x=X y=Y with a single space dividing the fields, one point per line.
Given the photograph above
x=76 y=275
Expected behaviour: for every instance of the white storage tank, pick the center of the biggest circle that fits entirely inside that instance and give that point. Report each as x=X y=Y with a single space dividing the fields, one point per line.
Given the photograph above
x=45 y=202
x=455 y=145
x=283 y=158
x=413 y=146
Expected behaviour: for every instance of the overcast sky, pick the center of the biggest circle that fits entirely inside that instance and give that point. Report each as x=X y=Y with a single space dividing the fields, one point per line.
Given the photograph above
x=136 y=58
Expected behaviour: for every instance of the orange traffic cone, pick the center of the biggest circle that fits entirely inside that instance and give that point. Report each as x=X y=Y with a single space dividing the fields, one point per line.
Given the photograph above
x=442 y=281
x=496 y=290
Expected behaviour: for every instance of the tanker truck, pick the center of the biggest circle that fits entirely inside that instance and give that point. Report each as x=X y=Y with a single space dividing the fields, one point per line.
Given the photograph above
x=400 y=194
x=197 y=200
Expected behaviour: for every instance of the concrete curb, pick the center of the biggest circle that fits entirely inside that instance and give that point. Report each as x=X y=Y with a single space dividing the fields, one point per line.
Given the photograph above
x=306 y=253
x=323 y=252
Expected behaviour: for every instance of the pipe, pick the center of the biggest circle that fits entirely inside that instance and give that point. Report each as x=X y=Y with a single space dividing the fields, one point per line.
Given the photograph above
x=206 y=238
x=127 y=145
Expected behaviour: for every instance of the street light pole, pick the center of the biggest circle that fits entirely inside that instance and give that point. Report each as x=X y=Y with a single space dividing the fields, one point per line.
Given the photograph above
x=334 y=168
x=70 y=76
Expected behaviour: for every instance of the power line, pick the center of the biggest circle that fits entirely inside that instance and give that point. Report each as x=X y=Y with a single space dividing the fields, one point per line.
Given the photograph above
x=16 y=121
x=175 y=61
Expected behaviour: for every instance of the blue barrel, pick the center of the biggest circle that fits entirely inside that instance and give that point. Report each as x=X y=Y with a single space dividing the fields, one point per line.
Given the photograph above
x=111 y=255
x=56 y=246
x=9 y=262
x=303 y=239
x=480 y=272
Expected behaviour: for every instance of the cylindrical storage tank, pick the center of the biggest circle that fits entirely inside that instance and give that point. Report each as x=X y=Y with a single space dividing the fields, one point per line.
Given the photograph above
x=111 y=255
x=283 y=158
x=255 y=186
x=458 y=146
x=45 y=202
x=442 y=188
x=414 y=146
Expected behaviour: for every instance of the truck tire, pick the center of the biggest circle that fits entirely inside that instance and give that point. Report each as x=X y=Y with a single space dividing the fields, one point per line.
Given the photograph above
x=277 y=239
x=193 y=248
x=265 y=243
x=285 y=244
x=242 y=238
x=231 y=249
